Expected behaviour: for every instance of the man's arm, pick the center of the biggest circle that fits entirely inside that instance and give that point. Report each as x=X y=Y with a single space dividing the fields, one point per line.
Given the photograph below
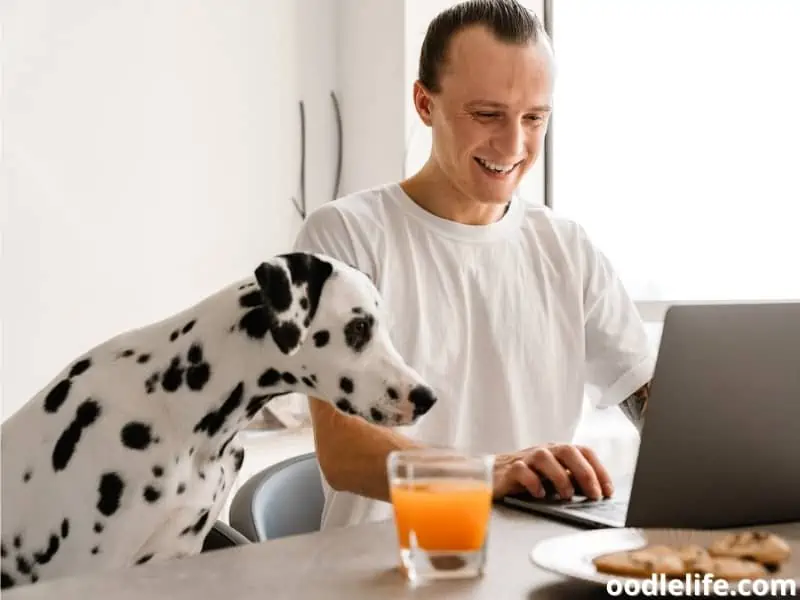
x=635 y=405
x=352 y=453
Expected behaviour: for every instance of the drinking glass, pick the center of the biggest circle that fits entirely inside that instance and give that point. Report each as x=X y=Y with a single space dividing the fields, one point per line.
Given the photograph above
x=442 y=502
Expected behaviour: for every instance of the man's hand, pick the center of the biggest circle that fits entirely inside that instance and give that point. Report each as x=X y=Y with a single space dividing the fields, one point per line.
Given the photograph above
x=565 y=465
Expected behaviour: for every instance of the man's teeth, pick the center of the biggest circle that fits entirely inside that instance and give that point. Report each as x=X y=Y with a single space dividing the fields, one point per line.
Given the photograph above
x=495 y=167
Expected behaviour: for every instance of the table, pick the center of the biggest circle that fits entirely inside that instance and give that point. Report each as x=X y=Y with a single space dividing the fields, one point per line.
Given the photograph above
x=350 y=563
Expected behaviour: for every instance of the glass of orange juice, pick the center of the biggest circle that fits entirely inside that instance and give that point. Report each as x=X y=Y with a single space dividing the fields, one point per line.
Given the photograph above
x=442 y=502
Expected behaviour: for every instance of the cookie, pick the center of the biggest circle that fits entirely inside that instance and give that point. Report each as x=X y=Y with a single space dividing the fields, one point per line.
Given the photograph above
x=759 y=546
x=642 y=562
x=732 y=569
x=696 y=559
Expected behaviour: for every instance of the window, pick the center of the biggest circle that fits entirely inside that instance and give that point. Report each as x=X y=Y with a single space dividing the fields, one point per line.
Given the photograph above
x=676 y=143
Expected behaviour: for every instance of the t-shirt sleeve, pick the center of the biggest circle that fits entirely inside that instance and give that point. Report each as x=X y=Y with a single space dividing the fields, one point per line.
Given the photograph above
x=619 y=355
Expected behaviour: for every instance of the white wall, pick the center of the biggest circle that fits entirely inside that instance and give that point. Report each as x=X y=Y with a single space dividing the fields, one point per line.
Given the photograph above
x=147 y=160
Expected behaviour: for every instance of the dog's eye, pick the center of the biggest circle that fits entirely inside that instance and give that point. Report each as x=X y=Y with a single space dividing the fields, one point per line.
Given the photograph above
x=358 y=332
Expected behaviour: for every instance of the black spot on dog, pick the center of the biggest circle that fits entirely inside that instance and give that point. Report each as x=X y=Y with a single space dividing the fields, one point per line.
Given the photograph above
x=191 y=450
x=110 y=490
x=198 y=525
x=255 y=324
x=232 y=328
x=44 y=556
x=312 y=271
x=143 y=559
x=26 y=476
x=188 y=327
x=286 y=336
x=195 y=354
x=275 y=287
x=3 y=552
x=269 y=378
x=358 y=310
x=150 y=384
x=173 y=376
x=313 y=378
x=17 y=542
x=244 y=286
x=376 y=415
x=34 y=578
x=80 y=367
x=158 y=471
x=213 y=421
x=136 y=435
x=197 y=376
x=174 y=335
x=358 y=332
x=143 y=358
x=202 y=475
x=307 y=322
x=255 y=404
x=289 y=378
x=96 y=550
x=86 y=414
x=224 y=446
x=251 y=300
x=321 y=338
x=57 y=396
x=238 y=456
x=308 y=382
x=126 y=353
x=345 y=406
x=181 y=488
x=304 y=303
x=23 y=566
x=64 y=528
x=98 y=528
x=392 y=393
x=346 y=385
x=6 y=581
x=151 y=494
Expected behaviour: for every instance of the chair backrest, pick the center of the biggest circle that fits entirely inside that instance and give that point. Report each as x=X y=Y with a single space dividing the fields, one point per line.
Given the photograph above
x=222 y=536
x=283 y=499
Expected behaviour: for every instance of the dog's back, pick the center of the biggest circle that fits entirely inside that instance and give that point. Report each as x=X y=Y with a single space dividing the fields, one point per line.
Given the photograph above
x=92 y=465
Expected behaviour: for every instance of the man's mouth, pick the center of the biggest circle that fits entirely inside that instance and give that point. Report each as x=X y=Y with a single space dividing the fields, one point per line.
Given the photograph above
x=496 y=169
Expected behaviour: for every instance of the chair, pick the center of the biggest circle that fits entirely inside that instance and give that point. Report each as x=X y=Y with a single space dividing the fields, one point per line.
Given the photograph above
x=222 y=536
x=282 y=500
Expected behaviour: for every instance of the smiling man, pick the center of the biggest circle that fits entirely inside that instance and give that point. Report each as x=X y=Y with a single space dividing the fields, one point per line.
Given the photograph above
x=505 y=308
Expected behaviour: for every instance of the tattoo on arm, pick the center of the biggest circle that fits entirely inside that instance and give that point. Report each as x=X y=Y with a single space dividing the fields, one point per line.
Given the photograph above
x=635 y=405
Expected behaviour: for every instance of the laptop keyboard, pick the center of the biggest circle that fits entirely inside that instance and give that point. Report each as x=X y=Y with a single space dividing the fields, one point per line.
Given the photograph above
x=611 y=507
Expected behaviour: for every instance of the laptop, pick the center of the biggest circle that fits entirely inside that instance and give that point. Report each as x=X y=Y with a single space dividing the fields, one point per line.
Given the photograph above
x=720 y=446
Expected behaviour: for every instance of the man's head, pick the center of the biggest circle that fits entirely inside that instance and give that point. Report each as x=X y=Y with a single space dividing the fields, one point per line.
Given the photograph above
x=485 y=88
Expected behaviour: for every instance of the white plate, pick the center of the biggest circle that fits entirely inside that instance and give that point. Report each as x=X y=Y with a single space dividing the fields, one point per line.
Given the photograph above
x=571 y=555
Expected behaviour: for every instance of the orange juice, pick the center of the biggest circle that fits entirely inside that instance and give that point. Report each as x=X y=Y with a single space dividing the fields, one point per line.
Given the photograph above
x=444 y=514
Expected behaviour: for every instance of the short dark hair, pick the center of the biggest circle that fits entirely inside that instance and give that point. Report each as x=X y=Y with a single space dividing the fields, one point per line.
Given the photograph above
x=508 y=20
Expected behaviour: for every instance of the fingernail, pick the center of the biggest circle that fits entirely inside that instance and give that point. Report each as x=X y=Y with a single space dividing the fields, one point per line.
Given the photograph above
x=608 y=489
x=570 y=492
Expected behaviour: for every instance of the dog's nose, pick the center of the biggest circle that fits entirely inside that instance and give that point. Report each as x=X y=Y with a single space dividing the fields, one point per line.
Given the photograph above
x=422 y=398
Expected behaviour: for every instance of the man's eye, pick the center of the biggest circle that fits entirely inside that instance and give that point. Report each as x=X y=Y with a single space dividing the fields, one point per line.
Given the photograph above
x=487 y=115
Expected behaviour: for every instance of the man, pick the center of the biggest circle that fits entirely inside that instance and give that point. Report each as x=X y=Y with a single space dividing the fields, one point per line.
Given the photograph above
x=505 y=308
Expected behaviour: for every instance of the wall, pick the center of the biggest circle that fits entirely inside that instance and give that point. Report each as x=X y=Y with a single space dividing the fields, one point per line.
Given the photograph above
x=147 y=161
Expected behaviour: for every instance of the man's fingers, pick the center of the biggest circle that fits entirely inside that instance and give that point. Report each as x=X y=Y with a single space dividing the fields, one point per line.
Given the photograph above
x=603 y=476
x=548 y=466
x=581 y=471
x=523 y=475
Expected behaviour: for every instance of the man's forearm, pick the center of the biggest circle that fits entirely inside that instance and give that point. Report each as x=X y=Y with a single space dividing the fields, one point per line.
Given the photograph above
x=635 y=406
x=352 y=453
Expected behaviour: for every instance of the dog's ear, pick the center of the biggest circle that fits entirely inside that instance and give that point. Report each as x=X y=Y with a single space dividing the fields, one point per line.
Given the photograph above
x=291 y=285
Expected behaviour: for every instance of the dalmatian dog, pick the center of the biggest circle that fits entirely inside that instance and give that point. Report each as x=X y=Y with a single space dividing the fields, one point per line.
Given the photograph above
x=128 y=455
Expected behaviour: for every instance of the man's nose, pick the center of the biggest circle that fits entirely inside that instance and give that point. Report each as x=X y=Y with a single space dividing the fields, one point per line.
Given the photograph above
x=511 y=140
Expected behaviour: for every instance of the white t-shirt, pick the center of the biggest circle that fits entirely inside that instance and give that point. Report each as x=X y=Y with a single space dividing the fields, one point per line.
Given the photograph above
x=510 y=322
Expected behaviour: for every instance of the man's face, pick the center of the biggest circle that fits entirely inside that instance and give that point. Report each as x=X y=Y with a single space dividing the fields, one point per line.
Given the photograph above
x=491 y=114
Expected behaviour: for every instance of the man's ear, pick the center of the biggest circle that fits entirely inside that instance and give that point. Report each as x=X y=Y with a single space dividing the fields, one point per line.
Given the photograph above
x=291 y=286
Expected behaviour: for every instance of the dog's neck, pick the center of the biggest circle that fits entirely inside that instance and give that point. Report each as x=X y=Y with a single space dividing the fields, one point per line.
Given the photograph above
x=209 y=425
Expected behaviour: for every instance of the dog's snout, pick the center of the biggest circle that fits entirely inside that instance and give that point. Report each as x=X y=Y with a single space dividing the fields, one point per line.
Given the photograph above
x=422 y=398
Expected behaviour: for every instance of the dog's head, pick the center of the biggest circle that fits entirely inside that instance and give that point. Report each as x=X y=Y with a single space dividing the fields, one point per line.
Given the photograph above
x=328 y=316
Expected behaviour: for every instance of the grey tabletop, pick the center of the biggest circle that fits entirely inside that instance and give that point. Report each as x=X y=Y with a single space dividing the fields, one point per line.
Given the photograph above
x=349 y=563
